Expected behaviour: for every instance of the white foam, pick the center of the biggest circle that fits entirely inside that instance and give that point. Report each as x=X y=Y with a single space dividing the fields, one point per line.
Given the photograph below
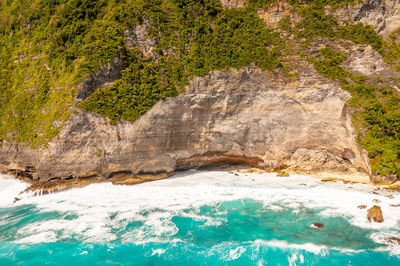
x=158 y=251
x=10 y=189
x=164 y=199
x=390 y=246
x=234 y=254
x=309 y=247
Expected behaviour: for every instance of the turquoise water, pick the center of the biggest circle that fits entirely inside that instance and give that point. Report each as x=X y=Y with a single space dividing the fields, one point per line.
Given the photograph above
x=201 y=218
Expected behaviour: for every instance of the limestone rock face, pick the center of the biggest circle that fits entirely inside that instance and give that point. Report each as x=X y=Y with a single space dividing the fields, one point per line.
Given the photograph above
x=276 y=11
x=364 y=60
x=246 y=116
x=138 y=37
x=375 y=214
x=383 y=15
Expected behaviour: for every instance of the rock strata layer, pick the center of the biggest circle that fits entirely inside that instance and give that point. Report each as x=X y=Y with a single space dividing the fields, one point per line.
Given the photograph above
x=247 y=116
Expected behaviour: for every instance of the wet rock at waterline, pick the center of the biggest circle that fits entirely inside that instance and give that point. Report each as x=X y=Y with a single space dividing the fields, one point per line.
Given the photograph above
x=375 y=214
x=317 y=225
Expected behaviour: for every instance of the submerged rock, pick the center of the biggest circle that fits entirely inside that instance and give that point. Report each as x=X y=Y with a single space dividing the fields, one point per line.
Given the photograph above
x=375 y=214
x=317 y=225
x=393 y=240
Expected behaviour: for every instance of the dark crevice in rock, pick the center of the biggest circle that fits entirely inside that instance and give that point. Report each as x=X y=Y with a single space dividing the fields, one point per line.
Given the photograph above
x=214 y=160
x=120 y=174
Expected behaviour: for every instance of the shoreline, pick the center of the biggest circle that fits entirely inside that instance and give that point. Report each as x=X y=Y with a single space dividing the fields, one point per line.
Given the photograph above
x=57 y=185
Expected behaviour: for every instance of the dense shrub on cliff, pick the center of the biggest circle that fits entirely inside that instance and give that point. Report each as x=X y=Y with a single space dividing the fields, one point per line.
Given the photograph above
x=380 y=115
x=202 y=37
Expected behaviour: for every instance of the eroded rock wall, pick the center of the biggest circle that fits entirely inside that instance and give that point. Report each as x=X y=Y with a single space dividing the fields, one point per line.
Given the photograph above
x=383 y=15
x=243 y=116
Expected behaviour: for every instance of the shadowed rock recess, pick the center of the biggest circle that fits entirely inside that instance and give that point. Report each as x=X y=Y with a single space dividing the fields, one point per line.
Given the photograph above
x=249 y=117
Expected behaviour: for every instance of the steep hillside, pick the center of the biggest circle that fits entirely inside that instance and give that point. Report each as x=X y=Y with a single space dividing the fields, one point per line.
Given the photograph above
x=126 y=87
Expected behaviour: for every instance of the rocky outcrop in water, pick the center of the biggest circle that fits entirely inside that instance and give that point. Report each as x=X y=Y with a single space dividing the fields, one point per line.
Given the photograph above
x=375 y=214
x=317 y=225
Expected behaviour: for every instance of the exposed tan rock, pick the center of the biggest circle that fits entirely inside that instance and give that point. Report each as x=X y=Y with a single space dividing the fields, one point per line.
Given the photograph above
x=330 y=179
x=53 y=186
x=384 y=180
x=138 y=37
x=349 y=177
x=364 y=60
x=394 y=186
x=362 y=207
x=233 y=3
x=254 y=171
x=283 y=174
x=134 y=180
x=48 y=187
x=277 y=11
x=375 y=214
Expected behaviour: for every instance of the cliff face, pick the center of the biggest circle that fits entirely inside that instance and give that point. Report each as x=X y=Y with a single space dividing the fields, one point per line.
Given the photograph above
x=285 y=118
x=383 y=15
x=248 y=116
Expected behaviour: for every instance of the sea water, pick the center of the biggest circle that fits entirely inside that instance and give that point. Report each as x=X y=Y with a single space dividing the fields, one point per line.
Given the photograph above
x=200 y=218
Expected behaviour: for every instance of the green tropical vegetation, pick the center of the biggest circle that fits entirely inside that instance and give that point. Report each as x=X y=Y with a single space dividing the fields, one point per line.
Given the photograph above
x=48 y=47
